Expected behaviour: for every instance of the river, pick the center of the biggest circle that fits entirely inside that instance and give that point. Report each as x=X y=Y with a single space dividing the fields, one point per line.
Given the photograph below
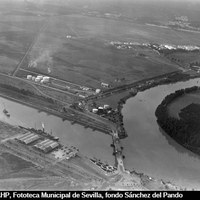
x=90 y=143
x=148 y=149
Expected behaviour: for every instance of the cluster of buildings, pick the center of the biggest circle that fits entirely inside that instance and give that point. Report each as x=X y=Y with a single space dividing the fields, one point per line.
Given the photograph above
x=182 y=18
x=38 y=142
x=39 y=78
x=84 y=88
x=47 y=145
x=124 y=45
x=195 y=68
x=174 y=47
x=105 y=109
x=182 y=22
x=129 y=45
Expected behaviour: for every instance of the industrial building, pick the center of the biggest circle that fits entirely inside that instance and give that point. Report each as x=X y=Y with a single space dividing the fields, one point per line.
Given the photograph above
x=95 y=110
x=28 y=138
x=97 y=91
x=39 y=78
x=102 y=109
x=105 y=85
x=47 y=145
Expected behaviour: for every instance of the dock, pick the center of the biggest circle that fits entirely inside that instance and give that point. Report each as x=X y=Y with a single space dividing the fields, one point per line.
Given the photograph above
x=118 y=151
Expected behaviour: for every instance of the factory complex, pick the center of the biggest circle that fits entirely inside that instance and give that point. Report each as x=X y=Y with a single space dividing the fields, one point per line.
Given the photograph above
x=46 y=145
x=39 y=78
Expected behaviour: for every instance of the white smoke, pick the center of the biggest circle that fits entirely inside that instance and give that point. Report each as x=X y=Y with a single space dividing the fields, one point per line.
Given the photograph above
x=44 y=58
x=49 y=70
x=41 y=55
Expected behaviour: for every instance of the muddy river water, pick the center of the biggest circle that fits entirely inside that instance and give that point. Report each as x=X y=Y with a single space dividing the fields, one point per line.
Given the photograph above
x=147 y=149
x=90 y=143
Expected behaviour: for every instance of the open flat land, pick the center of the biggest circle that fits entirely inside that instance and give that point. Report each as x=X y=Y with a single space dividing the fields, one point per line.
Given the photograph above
x=88 y=58
x=77 y=48
x=16 y=33
x=185 y=59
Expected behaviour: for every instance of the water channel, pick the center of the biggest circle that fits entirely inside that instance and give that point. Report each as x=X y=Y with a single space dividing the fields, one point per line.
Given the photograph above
x=147 y=149
x=90 y=143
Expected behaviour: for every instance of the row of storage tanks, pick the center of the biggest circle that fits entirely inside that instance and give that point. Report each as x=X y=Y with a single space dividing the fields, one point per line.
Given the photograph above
x=39 y=78
x=100 y=108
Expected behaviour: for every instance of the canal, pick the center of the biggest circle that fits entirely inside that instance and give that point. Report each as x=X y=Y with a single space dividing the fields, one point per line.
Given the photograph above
x=147 y=149
x=90 y=143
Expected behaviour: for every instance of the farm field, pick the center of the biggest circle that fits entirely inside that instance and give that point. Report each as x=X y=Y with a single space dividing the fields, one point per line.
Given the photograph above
x=184 y=59
x=16 y=34
x=76 y=48
x=86 y=56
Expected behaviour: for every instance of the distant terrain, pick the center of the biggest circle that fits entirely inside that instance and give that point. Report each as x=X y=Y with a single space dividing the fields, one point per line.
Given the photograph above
x=91 y=56
x=75 y=46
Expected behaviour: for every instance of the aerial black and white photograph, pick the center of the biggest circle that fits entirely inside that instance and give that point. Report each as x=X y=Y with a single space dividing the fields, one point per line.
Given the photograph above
x=100 y=95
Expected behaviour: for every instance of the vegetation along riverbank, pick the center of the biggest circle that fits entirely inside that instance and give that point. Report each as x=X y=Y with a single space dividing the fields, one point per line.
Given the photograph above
x=185 y=129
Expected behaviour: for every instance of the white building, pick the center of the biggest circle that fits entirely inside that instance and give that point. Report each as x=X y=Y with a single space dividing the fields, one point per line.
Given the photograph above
x=98 y=91
x=106 y=85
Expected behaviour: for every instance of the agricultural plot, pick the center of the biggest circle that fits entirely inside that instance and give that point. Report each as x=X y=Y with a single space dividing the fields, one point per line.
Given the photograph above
x=16 y=35
x=185 y=59
x=77 y=48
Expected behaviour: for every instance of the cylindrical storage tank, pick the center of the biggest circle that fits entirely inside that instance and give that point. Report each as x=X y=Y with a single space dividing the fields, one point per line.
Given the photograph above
x=98 y=91
x=46 y=77
x=106 y=106
x=40 y=76
x=94 y=110
x=29 y=77
x=37 y=80
x=33 y=78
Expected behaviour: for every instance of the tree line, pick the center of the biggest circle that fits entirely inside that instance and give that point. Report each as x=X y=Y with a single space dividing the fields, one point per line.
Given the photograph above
x=186 y=129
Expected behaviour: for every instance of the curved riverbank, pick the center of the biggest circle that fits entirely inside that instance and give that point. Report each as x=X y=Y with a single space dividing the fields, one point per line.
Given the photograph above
x=141 y=86
x=185 y=129
x=147 y=149
x=87 y=140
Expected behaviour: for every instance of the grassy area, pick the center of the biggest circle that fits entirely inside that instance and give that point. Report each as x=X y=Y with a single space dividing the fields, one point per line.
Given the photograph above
x=86 y=57
x=112 y=100
x=57 y=94
x=184 y=58
x=20 y=84
x=16 y=34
